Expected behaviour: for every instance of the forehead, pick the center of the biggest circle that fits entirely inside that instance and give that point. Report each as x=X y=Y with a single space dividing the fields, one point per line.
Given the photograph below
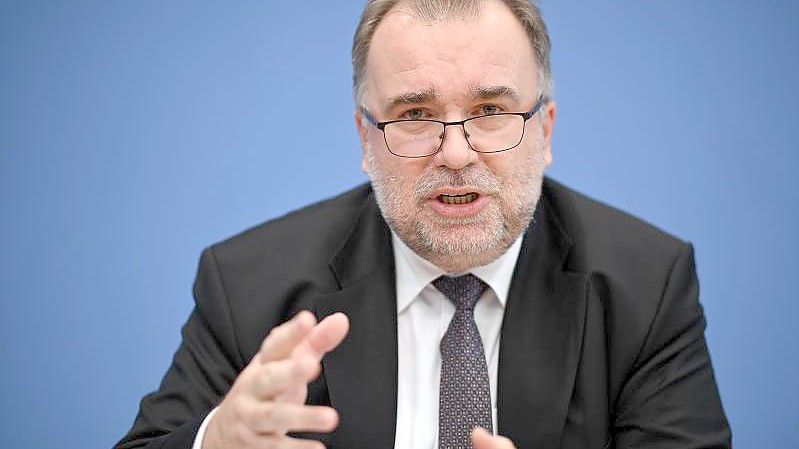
x=452 y=58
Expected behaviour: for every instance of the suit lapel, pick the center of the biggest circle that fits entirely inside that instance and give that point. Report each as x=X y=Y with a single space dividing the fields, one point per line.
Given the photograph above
x=361 y=374
x=540 y=341
x=541 y=337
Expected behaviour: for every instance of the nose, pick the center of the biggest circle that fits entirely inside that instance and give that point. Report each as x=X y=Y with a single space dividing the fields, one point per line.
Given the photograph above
x=455 y=152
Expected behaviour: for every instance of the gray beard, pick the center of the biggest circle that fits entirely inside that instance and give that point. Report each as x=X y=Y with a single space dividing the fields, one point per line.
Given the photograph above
x=457 y=245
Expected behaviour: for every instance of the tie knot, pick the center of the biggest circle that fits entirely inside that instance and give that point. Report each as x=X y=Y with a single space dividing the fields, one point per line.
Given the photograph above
x=463 y=291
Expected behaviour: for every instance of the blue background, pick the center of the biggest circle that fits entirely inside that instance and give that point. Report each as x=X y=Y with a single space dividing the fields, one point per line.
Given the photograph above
x=133 y=134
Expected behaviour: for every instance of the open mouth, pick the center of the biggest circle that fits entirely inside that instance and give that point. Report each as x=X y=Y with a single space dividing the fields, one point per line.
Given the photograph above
x=466 y=198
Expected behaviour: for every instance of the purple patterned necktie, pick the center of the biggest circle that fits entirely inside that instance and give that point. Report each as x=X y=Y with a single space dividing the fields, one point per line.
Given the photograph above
x=465 y=395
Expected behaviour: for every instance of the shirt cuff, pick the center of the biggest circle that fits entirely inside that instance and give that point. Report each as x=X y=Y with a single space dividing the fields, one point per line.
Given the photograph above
x=198 y=440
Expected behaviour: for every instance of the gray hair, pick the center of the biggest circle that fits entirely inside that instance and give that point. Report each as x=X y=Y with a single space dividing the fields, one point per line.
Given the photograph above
x=529 y=16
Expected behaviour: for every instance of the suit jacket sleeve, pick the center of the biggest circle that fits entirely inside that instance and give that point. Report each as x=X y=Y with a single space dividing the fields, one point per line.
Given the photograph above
x=203 y=369
x=671 y=395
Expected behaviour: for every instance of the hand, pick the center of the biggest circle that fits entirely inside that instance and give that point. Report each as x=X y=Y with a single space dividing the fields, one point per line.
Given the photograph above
x=267 y=399
x=481 y=439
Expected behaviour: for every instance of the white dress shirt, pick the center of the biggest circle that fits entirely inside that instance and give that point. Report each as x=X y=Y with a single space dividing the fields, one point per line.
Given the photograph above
x=423 y=315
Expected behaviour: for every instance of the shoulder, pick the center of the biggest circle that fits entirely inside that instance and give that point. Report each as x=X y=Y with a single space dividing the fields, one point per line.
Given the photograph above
x=632 y=267
x=288 y=257
x=317 y=230
x=606 y=239
x=259 y=277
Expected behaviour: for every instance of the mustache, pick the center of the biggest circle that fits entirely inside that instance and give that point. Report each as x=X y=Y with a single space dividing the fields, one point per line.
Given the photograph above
x=441 y=177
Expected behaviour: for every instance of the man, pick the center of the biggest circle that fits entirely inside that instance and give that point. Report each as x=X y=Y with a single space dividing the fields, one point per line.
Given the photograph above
x=464 y=299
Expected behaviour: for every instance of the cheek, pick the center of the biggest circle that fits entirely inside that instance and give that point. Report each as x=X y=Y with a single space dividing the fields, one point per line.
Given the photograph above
x=409 y=170
x=373 y=154
x=535 y=154
x=504 y=166
x=404 y=170
x=517 y=171
x=365 y=159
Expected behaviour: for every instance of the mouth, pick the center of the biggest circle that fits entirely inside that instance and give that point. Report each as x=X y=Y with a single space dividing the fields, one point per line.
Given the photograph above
x=465 y=198
x=458 y=202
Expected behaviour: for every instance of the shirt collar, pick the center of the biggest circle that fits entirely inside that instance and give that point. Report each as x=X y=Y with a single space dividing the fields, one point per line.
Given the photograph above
x=414 y=272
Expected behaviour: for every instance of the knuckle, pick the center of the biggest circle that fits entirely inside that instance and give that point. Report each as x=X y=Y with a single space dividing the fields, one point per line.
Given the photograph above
x=249 y=417
x=269 y=380
x=280 y=373
x=234 y=406
x=267 y=376
x=238 y=411
x=269 y=412
x=278 y=418
x=241 y=434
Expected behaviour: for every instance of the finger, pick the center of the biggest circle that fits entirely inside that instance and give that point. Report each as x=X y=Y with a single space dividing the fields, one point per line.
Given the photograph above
x=275 y=378
x=282 y=339
x=325 y=336
x=330 y=332
x=279 y=418
x=482 y=439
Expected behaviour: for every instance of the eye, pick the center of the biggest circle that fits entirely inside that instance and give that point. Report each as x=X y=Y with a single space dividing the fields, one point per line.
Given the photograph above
x=488 y=109
x=413 y=114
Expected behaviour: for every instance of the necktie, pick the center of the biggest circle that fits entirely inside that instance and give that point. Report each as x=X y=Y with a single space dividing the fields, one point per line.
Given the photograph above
x=465 y=395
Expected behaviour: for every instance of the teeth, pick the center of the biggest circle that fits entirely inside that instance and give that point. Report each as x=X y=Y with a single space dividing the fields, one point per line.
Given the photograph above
x=458 y=199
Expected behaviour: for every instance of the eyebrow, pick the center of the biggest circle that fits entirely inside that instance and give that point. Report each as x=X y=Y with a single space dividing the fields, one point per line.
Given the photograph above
x=489 y=92
x=415 y=97
x=429 y=95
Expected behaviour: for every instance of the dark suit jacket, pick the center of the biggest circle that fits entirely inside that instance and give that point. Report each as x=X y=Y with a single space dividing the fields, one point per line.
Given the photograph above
x=601 y=346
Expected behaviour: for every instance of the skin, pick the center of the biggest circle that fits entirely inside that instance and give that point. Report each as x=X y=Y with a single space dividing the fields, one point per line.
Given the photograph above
x=437 y=70
x=481 y=439
x=267 y=399
x=453 y=59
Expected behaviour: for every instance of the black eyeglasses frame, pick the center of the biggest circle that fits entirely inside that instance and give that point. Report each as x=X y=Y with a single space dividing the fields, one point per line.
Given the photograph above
x=382 y=125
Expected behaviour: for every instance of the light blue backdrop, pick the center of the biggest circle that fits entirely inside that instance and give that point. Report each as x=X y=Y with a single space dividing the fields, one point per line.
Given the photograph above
x=133 y=134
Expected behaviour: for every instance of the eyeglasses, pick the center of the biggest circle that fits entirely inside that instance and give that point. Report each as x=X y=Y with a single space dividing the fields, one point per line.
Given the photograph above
x=491 y=133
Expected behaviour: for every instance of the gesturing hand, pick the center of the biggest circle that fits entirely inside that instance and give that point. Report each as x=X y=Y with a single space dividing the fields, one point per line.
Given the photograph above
x=267 y=399
x=481 y=439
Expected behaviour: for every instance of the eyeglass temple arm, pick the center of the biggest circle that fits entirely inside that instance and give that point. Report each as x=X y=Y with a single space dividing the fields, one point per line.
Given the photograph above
x=536 y=108
x=371 y=118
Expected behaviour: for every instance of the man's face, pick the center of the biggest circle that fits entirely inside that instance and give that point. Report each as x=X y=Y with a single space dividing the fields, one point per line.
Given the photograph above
x=451 y=70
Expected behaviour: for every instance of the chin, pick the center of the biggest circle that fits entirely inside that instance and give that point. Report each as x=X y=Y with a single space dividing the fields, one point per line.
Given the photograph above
x=471 y=244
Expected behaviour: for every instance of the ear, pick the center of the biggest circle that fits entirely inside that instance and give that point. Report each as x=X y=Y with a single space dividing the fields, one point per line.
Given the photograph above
x=550 y=113
x=359 y=125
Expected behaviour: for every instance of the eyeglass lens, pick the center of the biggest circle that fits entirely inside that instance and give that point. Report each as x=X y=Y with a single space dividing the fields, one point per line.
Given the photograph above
x=490 y=133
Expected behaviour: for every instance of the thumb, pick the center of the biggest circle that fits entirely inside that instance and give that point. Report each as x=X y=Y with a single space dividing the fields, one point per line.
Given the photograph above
x=482 y=439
